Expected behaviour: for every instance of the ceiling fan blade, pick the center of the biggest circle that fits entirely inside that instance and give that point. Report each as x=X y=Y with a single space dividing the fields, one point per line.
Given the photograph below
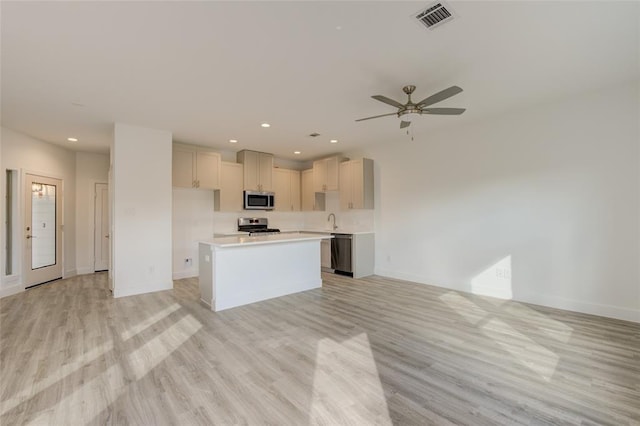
x=404 y=124
x=387 y=101
x=440 y=96
x=443 y=111
x=377 y=116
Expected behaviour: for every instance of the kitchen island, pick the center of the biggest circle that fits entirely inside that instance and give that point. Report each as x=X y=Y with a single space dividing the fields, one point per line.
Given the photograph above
x=238 y=270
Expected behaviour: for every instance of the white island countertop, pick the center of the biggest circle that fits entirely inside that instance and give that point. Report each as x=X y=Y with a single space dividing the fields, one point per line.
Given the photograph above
x=245 y=240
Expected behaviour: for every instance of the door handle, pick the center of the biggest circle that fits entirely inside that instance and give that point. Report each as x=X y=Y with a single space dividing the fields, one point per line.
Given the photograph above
x=30 y=236
x=106 y=236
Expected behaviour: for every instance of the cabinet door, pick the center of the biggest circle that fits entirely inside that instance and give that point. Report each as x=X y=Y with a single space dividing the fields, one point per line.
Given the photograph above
x=357 y=184
x=229 y=198
x=183 y=171
x=307 y=192
x=332 y=179
x=208 y=170
x=265 y=171
x=346 y=185
x=325 y=253
x=319 y=175
x=251 y=177
x=282 y=188
x=295 y=190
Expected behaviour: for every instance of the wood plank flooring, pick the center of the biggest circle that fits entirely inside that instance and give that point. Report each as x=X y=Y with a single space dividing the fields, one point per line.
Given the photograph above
x=357 y=352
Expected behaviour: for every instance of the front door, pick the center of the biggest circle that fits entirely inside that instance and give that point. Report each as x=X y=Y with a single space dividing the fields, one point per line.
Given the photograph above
x=101 y=236
x=43 y=229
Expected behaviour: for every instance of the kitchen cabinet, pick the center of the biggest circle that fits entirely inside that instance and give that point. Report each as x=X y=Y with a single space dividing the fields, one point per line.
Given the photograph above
x=229 y=197
x=195 y=167
x=325 y=255
x=356 y=184
x=286 y=185
x=353 y=254
x=257 y=171
x=326 y=174
x=310 y=200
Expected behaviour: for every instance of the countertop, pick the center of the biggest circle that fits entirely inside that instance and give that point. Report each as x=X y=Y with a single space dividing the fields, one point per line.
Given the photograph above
x=284 y=237
x=326 y=231
x=295 y=231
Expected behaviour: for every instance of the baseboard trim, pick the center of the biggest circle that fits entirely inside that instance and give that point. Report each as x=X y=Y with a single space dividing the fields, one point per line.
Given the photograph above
x=139 y=289
x=184 y=274
x=11 y=290
x=85 y=270
x=583 y=307
x=70 y=273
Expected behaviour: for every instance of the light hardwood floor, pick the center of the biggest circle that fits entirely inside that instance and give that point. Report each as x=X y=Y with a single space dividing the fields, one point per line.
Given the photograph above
x=359 y=352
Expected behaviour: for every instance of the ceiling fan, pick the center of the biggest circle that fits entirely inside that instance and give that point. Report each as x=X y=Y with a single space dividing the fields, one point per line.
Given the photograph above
x=408 y=111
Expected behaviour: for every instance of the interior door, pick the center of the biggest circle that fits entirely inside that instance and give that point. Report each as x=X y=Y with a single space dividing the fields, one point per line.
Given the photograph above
x=43 y=229
x=101 y=228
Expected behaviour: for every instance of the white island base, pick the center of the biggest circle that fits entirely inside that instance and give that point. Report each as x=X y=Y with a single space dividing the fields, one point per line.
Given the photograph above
x=235 y=271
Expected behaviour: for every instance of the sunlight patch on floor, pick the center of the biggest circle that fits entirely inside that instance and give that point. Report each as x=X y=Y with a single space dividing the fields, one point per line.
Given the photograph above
x=346 y=384
x=146 y=357
x=464 y=307
x=535 y=357
x=108 y=386
x=495 y=281
x=552 y=328
x=133 y=330
x=60 y=374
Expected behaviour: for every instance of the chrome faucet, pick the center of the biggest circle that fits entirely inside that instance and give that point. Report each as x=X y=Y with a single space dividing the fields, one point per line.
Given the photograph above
x=334 y=220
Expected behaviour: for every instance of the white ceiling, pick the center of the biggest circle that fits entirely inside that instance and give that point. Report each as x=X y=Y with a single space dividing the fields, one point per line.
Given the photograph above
x=213 y=71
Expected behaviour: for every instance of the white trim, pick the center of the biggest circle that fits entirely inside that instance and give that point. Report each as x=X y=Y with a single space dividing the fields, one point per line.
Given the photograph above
x=10 y=291
x=609 y=311
x=142 y=289
x=70 y=273
x=11 y=284
x=85 y=270
x=189 y=273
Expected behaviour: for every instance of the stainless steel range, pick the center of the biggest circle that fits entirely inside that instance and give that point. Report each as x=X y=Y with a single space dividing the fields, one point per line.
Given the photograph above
x=256 y=226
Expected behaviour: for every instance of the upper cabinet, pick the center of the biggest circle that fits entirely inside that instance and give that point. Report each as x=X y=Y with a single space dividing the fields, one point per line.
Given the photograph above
x=229 y=198
x=258 y=168
x=356 y=184
x=326 y=174
x=286 y=184
x=195 y=167
x=310 y=200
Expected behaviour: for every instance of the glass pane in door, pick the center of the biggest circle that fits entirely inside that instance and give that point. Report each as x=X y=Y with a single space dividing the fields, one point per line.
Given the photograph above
x=43 y=223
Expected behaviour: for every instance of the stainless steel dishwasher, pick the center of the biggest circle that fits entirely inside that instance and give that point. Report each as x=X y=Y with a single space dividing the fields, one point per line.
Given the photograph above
x=341 y=259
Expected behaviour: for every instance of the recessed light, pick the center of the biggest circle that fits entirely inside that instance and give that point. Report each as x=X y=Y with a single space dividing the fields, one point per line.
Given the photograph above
x=232 y=141
x=72 y=139
x=296 y=152
x=266 y=125
x=334 y=141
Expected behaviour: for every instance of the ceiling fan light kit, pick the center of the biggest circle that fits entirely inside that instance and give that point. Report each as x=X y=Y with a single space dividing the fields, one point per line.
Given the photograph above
x=409 y=111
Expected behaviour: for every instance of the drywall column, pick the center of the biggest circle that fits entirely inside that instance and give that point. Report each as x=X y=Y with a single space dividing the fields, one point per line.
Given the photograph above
x=141 y=222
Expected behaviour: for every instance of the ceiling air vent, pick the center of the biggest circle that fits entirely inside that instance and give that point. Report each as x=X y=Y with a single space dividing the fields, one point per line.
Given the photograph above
x=435 y=14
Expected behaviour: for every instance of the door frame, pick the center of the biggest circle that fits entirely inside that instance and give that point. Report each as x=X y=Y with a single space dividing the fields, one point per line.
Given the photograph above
x=95 y=214
x=22 y=247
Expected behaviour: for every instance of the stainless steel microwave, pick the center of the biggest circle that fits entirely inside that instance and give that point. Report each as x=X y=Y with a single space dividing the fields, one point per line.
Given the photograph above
x=259 y=200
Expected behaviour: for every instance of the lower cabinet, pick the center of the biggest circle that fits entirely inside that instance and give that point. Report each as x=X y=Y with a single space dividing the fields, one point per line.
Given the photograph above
x=325 y=254
x=353 y=254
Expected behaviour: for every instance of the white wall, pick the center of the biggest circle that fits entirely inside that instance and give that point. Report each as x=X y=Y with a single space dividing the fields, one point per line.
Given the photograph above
x=540 y=204
x=90 y=169
x=23 y=153
x=192 y=222
x=141 y=221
